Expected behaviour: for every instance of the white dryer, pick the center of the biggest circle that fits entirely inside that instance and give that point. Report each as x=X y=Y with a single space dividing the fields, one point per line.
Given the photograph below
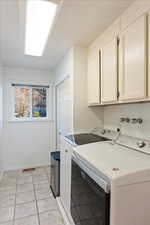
x=121 y=168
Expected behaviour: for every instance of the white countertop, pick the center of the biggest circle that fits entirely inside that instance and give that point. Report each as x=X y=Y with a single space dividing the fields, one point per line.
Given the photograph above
x=120 y=164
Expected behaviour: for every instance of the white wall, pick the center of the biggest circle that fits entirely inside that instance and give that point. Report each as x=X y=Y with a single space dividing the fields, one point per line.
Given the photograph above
x=25 y=144
x=1 y=114
x=112 y=115
x=64 y=67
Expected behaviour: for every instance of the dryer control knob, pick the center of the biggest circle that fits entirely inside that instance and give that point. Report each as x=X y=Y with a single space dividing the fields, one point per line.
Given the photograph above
x=141 y=144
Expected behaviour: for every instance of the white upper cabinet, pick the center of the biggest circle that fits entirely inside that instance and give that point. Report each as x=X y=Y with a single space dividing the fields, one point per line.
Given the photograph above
x=133 y=71
x=94 y=79
x=109 y=72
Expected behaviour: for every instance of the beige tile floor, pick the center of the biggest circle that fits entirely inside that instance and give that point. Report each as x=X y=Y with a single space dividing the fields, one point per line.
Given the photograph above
x=26 y=199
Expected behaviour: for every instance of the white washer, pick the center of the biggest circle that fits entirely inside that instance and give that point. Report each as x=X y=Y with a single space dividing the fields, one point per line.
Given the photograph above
x=126 y=165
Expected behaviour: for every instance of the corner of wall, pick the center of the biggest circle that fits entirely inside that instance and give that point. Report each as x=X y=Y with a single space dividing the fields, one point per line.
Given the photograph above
x=83 y=113
x=1 y=117
x=1 y=175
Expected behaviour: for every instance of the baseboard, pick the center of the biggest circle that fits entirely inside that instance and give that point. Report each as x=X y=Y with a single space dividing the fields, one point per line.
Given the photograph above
x=63 y=213
x=25 y=167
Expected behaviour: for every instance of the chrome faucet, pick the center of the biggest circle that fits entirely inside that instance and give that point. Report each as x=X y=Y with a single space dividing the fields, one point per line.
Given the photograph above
x=117 y=136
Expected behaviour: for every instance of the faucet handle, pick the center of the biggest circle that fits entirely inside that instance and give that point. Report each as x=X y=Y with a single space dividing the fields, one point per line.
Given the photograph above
x=139 y=120
x=127 y=120
x=134 y=120
x=122 y=119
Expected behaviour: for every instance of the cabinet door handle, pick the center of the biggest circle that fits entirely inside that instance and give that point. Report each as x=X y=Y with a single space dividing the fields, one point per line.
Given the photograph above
x=66 y=150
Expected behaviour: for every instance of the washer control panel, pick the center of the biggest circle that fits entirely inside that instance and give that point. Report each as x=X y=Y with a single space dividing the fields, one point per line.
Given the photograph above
x=134 y=143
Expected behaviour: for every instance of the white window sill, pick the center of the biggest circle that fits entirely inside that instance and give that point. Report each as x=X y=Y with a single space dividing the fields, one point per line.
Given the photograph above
x=29 y=120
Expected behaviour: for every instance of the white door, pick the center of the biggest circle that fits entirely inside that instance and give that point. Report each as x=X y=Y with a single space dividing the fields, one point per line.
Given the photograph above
x=94 y=79
x=109 y=72
x=133 y=61
x=63 y=110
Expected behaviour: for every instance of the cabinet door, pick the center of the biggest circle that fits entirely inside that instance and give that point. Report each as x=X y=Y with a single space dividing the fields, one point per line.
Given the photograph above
x=65 y=175
x=133 y=70
x=94 y=79
x=109 y=72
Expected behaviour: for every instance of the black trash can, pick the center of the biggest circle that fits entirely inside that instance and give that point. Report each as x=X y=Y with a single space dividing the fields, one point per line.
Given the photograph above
x=55 y=173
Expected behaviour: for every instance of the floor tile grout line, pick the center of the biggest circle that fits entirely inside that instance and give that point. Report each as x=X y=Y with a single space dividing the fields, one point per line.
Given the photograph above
x=38 y=213
x=19 y=204
x=34 y=201
x=28 y=202
x=38 y=216
x=13 y=204
x=35 y=214
x=15 y=198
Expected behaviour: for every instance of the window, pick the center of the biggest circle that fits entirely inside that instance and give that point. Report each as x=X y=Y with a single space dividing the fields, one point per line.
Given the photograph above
x=30 y=102
x=39 y=102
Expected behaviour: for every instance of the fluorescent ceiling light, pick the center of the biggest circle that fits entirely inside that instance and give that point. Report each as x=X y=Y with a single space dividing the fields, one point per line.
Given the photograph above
x=39 y=19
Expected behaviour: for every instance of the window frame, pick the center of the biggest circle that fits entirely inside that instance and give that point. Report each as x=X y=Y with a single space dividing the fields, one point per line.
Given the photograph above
x=31 y=119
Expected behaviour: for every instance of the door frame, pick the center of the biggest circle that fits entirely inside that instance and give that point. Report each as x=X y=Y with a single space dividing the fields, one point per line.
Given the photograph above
x=55 y=106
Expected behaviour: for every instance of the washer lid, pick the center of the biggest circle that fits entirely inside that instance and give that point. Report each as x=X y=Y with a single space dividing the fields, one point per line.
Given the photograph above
x=85 y=138
x=120 y=164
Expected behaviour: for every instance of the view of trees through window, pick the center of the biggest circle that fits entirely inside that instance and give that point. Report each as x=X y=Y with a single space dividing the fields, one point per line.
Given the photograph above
x=39 y=102
x=30 y=102
x=22 y=100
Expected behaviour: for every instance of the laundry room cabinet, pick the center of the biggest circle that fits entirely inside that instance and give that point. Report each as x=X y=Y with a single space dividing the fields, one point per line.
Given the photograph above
x=109 y=72
x=133 y=61
x=120 y=72
x=93 y=78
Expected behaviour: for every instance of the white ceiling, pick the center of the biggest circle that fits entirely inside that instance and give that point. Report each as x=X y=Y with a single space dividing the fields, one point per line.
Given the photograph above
x=79 y=22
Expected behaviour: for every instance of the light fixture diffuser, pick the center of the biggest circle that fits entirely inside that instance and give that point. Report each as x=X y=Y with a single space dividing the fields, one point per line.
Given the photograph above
x=40 y=15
